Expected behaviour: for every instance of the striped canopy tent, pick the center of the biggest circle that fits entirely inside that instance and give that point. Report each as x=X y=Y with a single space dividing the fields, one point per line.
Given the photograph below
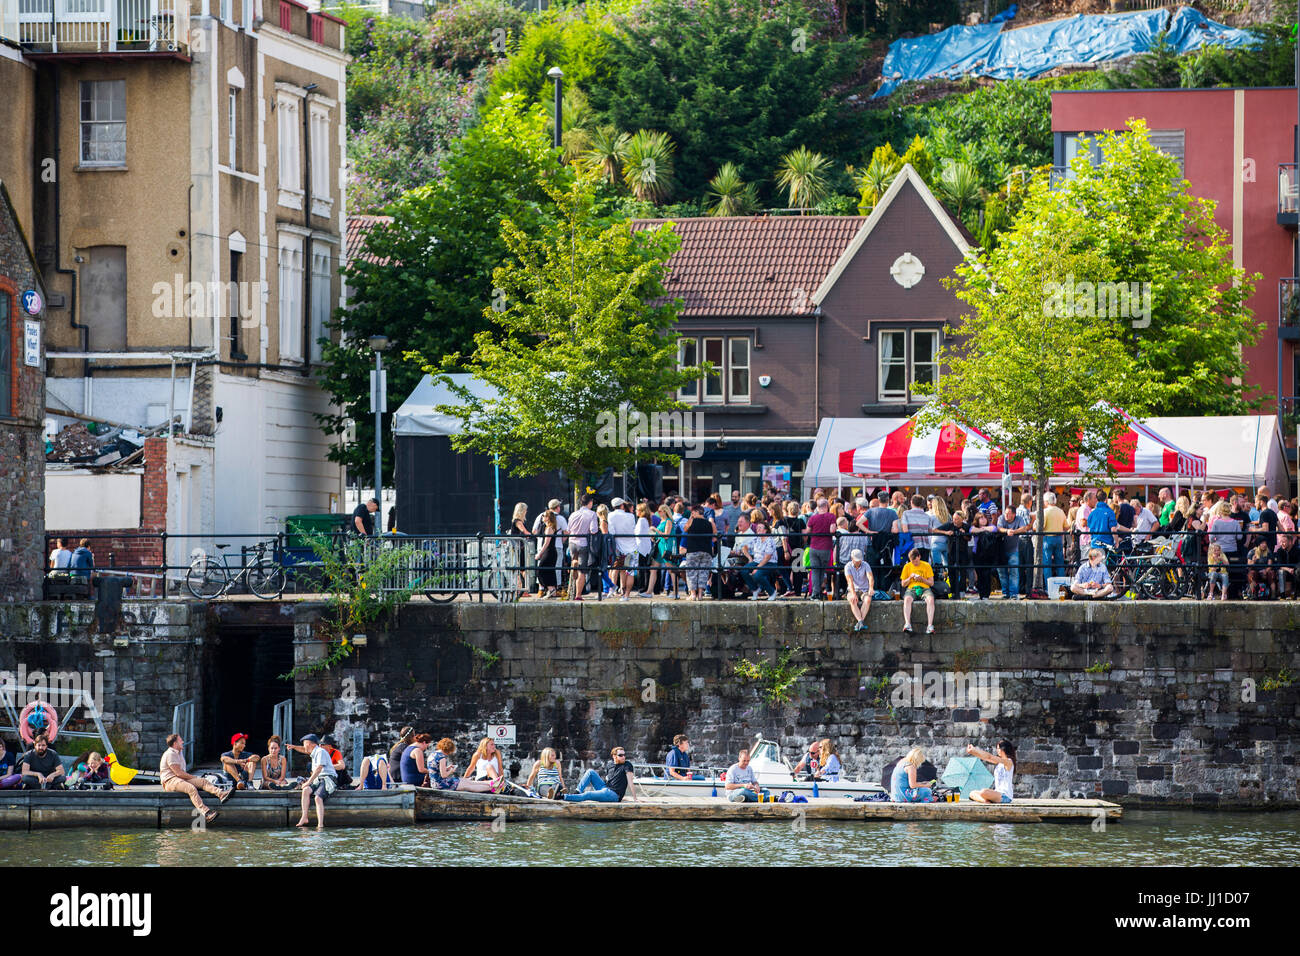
x=950 y=452
x=1137 y=454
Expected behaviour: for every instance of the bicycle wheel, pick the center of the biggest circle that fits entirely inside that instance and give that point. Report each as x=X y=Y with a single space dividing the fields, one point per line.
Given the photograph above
x=266 y=579
x=441 y=597
x=206 y=578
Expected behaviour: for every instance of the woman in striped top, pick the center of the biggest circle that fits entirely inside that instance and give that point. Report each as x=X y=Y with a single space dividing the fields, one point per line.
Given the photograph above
x=547 y=775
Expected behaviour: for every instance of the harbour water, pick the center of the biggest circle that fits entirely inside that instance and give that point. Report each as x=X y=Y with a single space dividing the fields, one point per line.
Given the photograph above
x=1144 y=838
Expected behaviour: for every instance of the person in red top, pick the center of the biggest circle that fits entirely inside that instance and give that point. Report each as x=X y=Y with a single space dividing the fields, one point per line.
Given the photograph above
x=821 y=524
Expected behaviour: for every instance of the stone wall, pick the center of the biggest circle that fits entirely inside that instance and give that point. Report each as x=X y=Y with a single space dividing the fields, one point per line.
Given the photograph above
x=1150 y=702
x=146 y=663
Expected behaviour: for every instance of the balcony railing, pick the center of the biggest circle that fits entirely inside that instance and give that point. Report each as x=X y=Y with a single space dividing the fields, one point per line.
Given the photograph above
x=1288 y=303
x=1288 y=190
x=97 y=26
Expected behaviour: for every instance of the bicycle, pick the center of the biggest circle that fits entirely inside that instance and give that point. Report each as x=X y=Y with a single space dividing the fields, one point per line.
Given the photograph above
x=209 y=579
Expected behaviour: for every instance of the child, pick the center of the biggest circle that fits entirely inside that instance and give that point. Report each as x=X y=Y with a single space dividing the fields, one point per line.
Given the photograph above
x=95 y=776
x=1218 y=574
x=1261 y=576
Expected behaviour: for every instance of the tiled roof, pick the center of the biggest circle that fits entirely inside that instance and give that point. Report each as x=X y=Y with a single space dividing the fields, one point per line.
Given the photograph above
x=753 y=265
x=358 y=228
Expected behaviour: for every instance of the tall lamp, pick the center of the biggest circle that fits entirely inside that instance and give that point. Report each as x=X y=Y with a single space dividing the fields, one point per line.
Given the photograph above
x=379 y=404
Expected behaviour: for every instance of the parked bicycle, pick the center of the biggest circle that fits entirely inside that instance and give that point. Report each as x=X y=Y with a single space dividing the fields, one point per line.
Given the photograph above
x=209 y=579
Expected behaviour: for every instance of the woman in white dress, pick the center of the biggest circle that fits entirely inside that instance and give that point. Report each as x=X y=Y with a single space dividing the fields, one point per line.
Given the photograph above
x=1004 y=768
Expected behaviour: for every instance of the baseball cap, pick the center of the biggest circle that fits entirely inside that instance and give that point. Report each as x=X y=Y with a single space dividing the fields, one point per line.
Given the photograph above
x=236 y=738
x=616 y=503
x=310 y=737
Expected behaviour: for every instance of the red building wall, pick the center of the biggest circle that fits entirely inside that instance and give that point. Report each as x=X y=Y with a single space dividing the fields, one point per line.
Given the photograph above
x=1263 y=122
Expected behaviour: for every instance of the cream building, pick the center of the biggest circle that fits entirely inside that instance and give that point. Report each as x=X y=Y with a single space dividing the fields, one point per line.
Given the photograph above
x=180 y=165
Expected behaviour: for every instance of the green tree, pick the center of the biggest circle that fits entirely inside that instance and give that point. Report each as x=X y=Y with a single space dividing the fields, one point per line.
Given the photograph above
x=958 y=184
x=745 y=80
x=1033 y=379
x=426 y=279
x=586 y=327
x=1186 y=321
x=802 y=174
x=606 y=152
x=648 y=165
x=734 y=196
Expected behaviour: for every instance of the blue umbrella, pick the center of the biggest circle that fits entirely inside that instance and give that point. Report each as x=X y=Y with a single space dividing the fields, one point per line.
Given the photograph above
x=967 y=774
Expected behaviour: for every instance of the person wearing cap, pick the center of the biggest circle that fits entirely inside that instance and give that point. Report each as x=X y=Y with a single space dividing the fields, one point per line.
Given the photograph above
x=622 y=528
x=238 y=765
x=861 y=585
x=322 y=782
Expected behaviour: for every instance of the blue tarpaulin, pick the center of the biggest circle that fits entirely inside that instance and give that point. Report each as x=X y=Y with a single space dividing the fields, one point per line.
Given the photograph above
x=1003 y=53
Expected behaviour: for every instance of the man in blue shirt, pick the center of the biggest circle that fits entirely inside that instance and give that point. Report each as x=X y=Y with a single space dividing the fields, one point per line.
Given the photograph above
x=678 y=760
x=1101 y=522
x=987 y=505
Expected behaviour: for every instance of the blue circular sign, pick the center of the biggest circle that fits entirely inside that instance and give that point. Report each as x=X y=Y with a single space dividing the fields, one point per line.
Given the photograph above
x=32 y=302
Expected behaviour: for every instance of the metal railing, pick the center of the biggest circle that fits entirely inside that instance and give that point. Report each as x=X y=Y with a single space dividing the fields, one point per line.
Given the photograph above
x=99 y=26
x=1288 y=189
x=505 y=567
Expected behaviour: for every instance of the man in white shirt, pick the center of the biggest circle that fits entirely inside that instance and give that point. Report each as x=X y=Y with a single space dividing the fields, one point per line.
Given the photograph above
x=1147 y=520
x=322 y=782
x=584 y=524
x=622 y=526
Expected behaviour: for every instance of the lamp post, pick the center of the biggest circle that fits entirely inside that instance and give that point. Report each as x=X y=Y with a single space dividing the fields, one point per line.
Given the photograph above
x=379 y=405
x=557 y=76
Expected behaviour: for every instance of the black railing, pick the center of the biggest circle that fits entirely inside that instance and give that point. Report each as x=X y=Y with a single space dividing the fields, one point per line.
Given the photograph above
x=1171 y=565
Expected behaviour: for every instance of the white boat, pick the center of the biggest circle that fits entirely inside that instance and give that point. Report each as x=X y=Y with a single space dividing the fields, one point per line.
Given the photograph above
x=772 y=771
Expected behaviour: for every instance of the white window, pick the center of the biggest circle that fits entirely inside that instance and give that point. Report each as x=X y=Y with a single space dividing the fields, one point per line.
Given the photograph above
x=289 y=124
x=320 y=153
x=892 y=374
x=232 y=128
x=687 y=355
x=320 y=299
x=103 y=122
x=290 y=292
x=729 y=382
x=904 y=361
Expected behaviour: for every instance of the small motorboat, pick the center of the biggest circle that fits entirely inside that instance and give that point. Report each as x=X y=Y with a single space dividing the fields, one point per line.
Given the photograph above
x=773 y=772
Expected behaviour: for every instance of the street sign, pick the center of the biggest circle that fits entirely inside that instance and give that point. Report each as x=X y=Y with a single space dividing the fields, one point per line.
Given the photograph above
x=501 y=733
x=378 y=391
x=32 y=302
x=32 y=344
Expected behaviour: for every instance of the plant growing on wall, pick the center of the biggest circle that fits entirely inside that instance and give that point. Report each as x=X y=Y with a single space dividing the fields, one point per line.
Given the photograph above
x=776 y=679
x=365 y=582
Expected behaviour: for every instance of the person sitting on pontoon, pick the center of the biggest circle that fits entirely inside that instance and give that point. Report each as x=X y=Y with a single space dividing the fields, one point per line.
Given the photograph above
x=1003 y=772
x=547 y=775
x=903 y=785
x=612 y=788
x=830 y=766
x=374 y=773
x=742 y=786
x=811 y=761
x=275 y=767
x=239 y=766
x=678 y=760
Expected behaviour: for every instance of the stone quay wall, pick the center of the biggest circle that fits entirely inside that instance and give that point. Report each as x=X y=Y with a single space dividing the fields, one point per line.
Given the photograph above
x=137 y=666
x=1147 y=703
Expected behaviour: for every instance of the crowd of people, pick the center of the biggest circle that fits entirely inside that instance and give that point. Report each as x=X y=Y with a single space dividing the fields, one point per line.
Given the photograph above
x=915 y=548
x=41 y=768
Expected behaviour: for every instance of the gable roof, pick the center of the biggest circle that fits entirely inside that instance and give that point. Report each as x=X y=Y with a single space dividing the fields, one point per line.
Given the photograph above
x=907 y=176
x=753 y=265
x=358 y=230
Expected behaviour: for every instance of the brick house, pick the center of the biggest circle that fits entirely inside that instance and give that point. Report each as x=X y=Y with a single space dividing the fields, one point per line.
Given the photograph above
x=22 y=412
x=807 y=317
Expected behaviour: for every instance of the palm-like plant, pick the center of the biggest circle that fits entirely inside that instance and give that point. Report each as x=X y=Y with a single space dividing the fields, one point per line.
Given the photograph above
x=734 y=196
x=874 y=181
x=606 y=152
x=958 y=184
x=648 y=165
x=802 y=174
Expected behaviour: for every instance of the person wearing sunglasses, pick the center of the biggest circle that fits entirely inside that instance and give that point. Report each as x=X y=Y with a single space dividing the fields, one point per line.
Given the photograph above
x=616 y=784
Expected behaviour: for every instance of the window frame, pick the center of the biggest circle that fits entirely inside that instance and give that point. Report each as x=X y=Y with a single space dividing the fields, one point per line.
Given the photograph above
x=913 y=364
x=693 y=395
x=322 y=185
x=289 y=146
x=232 y=132
x=698 y=392
x=719 y=374
x=85 y=125
x=734 y=397
x=908 y=362
x=289 y=293
x=321 y=282
x=898 y=397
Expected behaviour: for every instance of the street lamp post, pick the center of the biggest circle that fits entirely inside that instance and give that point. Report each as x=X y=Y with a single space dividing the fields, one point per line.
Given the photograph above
x=379 y=405
x=557 y=76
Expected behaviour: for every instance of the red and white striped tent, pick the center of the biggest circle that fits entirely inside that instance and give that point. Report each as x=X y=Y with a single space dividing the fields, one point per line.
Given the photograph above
x=1137 y=454
x=952 y=451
